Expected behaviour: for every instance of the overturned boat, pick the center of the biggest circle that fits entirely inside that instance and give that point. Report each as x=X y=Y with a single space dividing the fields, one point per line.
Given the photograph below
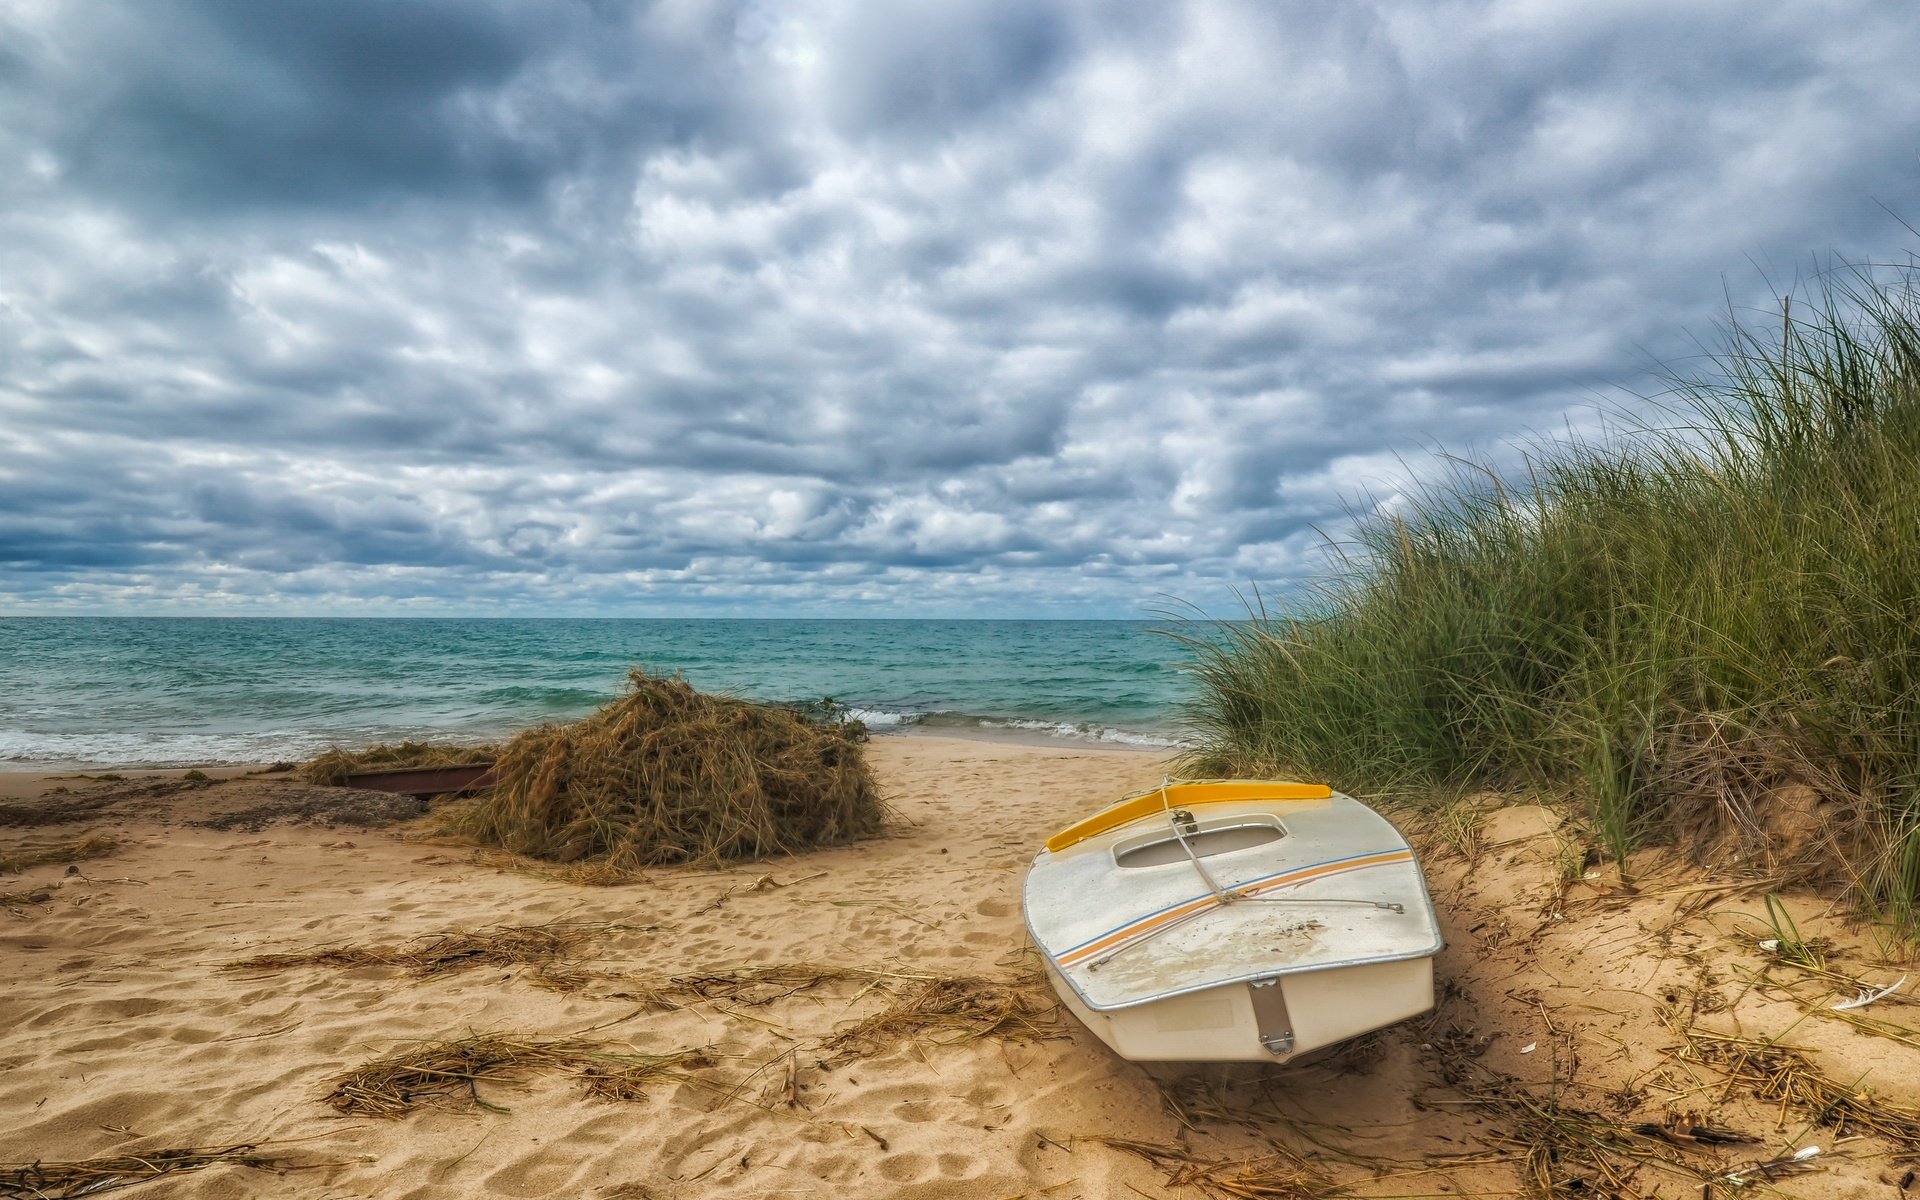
x=1233 y=921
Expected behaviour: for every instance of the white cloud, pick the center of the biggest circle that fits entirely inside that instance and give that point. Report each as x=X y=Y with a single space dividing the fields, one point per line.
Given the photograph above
x=1008 y=307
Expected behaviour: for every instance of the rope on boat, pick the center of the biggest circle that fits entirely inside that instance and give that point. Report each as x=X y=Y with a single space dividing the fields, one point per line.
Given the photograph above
x=1224 y=896
x=1179 y=831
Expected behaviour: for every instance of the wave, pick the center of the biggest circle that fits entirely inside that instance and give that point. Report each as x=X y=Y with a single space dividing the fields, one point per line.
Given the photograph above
x=1087 y=731
x=143 y=749
x=881 y=718
x=64 y=750
x=894 y=720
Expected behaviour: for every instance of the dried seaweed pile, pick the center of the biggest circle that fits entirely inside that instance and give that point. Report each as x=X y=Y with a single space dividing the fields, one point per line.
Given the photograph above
x=666 y=774
x=546 y=948
x=90 y=1177
x=448 y=1074
x=332 y=768
x=19 y=858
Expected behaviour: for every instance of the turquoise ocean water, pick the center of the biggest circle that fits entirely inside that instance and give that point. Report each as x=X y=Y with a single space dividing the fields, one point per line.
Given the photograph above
x=183 y=691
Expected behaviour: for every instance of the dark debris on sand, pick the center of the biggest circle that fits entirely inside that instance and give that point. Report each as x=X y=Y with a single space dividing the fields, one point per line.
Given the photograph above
x=248 y=804
x=304 y=804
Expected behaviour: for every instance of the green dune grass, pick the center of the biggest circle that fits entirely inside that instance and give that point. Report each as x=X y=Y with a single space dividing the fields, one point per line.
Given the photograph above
x=1679 y=628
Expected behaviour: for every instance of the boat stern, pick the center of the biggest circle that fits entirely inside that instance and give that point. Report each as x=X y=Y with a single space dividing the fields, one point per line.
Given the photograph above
x=1262 y=1020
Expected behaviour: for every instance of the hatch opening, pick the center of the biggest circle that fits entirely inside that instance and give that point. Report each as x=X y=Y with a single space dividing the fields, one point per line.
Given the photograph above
x=1158 y=850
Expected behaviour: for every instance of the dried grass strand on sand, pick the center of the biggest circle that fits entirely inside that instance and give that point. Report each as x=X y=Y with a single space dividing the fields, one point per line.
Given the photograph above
x=754 y=986
x=25 y=897
x=627 y=1076
x=92 y=1176
x=19 y=858
x=545 y=947
x=448 y=1074
x=1787 y=1075
x=950 y=1010
x=1282 y=1175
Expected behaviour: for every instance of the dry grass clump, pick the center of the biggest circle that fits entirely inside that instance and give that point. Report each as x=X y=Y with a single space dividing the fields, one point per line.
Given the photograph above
x=951 y=1010
x=543 y=947
x=1559 y=1150
x=666 y=774
x=1776 y=1072
x=19 y=858
x=1283 y=1175
x=619 y=1077
x=1564 y=1151
x=91 y=1176
x=332 y=768
x=448 y=1074
x=27 y=896
x=752 y=987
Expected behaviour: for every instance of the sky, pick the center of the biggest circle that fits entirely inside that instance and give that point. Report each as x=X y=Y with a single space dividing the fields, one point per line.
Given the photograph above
x=948 y=308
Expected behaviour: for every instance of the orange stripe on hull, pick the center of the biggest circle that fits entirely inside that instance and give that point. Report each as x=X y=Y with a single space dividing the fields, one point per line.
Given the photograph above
x=1160 y=920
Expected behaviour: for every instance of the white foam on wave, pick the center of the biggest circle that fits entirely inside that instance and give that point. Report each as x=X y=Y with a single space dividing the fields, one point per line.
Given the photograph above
x=1085 y=731
x=100 y=749
x=23 y=750
x=882 y=718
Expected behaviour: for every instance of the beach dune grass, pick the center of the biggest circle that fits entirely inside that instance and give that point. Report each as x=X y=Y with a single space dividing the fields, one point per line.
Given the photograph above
x=667 y=774
x=1708 y=631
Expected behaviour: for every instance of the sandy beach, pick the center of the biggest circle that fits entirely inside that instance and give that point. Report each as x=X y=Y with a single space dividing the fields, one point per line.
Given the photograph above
x=1573 y=1010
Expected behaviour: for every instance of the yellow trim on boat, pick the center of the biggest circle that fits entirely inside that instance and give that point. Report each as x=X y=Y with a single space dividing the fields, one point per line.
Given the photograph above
x=1183 y=795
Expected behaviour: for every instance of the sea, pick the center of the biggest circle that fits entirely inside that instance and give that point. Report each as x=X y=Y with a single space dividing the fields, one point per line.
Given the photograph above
x=177 y=692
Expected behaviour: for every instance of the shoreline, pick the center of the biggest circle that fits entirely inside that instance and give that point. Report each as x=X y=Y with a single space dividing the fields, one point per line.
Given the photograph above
x=962 y=733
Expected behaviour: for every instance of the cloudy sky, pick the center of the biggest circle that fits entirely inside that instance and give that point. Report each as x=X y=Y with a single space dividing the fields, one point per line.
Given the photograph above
x=957 y=307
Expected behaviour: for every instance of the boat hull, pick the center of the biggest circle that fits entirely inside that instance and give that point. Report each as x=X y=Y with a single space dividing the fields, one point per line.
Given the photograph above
x=1233 y=921
x=1244 y=1022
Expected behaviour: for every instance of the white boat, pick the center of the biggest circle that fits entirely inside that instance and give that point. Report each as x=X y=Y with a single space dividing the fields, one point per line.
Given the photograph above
x=1233 y=921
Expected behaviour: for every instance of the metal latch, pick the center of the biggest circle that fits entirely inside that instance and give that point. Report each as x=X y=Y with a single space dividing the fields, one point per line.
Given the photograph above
x=1270 y=1017
x=1184 y=822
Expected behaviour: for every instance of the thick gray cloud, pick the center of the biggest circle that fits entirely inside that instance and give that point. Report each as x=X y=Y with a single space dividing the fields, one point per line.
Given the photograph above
x=978 y=306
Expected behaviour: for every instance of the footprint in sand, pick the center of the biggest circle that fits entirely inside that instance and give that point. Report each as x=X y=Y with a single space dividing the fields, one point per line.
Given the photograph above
x=958 y=1166
x=906 y=1168
x=836 y=1169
